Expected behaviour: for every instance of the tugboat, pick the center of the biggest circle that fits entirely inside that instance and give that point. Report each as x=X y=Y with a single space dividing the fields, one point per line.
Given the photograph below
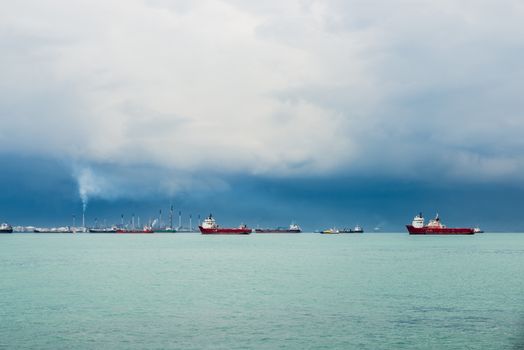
x=210 y=227
x=435 y=227
x=293 y=228
x=6 y=228
x=478 y=230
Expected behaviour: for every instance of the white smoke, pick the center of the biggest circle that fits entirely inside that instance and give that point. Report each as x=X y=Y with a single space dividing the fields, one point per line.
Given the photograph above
x=88 y=185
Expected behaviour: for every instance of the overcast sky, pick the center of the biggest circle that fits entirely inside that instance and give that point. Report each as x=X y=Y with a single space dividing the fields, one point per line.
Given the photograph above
x=157 y=101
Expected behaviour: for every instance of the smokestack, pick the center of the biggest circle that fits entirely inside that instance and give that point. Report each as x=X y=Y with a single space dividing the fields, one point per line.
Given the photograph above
x=171 y=217
x=190 y=224
x=122 y=220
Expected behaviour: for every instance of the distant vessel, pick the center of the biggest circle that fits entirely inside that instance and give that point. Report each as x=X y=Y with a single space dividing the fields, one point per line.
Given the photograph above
x=103 y=230
x=165 y=230
x=209 y=226
x=435 y=227
x=54 y=230
x=293 y=228
x=6 y=228
x=146 y=229
x=330 y=231
x=477 y=230
x=356 y=229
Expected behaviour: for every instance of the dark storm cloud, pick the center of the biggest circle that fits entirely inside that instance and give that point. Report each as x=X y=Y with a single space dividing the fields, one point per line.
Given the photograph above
x=157 y=99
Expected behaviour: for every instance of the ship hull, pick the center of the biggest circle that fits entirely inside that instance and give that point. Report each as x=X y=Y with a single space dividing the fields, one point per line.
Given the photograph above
x=10 y=230
x=260 y=230
x=94 y=230
x=224 y=231
x=133 y=231
x=439 y=231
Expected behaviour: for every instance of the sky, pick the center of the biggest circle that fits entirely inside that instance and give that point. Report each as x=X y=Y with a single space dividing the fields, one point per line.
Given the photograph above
x=328 y=113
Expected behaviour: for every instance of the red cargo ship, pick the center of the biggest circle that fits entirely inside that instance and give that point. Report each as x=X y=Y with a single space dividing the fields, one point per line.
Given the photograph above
x=210 y=227
x=435 y=227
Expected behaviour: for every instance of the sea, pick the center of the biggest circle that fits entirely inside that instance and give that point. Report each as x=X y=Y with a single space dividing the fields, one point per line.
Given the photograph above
x=261 y=291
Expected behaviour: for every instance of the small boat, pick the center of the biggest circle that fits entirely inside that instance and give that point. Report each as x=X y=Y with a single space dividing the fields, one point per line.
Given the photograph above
x=6 y=228
x=356 y=229
x=293 y=228
x=209 y=226
x=477 y=230
x=330 y=231
x=435 y=227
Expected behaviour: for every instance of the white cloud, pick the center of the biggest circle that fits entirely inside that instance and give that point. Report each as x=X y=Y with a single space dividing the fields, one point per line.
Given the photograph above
x=272 y=88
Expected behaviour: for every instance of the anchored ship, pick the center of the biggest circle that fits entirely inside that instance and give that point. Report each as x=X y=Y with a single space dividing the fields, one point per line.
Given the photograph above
x=435 y=227
x=293 y=228
x=103 y=230
x=330 y=231
x=209 y=226
x=146 y=229
x=6 y=228
x=356 y=229
x=65 y=229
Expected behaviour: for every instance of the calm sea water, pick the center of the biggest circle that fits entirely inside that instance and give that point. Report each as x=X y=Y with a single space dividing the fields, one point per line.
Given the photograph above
x=306 y=291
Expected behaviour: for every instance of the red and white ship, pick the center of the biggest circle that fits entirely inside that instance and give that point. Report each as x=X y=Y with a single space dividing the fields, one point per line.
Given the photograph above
x=435 y=227
x=210 y=227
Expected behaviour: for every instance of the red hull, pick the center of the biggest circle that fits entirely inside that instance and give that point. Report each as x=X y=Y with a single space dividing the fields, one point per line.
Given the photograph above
x=439 y=231
x=224 y=231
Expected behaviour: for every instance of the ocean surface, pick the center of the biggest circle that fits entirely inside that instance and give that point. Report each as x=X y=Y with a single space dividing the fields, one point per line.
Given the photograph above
x=262 y=291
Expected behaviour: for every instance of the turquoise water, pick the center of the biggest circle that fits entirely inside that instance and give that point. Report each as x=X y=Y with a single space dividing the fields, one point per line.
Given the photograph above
x=306 y=291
